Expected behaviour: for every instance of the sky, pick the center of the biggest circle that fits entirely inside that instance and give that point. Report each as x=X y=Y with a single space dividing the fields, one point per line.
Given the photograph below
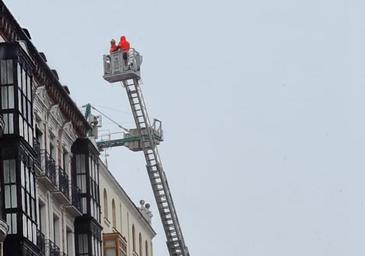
x=262 y=104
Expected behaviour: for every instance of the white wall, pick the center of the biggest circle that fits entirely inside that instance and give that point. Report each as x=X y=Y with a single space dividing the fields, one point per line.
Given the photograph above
x=127 y=214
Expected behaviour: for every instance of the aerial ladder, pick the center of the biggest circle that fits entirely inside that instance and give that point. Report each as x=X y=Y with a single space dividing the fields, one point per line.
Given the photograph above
x=145 y=138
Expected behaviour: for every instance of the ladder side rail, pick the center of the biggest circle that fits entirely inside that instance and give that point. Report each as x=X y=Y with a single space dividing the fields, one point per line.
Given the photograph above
x=176 y=231
x=171 y=204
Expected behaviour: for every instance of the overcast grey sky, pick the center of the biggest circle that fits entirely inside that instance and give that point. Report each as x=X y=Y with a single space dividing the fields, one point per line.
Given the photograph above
x=262 y=103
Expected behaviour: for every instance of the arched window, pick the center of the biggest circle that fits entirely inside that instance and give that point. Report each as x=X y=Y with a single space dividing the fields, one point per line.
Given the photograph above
x=114 y=218
x=146 y=247
x=121 y=218
x=140 y=244
x=133 y=238
x=105 y=204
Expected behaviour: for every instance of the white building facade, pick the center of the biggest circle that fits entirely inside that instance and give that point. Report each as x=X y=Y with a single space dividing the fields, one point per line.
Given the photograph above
x=123 y=221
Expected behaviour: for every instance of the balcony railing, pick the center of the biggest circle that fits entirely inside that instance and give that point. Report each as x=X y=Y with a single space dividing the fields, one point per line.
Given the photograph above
x=41 y=242
x=53 y=176
x=63 y=182
x=37 y=149
x=51 y=172
x=54 y=250
x=46 y=164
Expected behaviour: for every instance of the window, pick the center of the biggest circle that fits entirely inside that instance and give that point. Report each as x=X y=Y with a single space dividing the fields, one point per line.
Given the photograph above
x=83 y=247
x=9 y=123
x=65 y=161
x=42 y=216
x=105 y=204
x=9 y=169
x=114 y=218
x=81 y=180
x=28 y=196
x=56 y=230
x=6 y=67
x=69 y=241
x=7 y=97
x=94 y=188
x=121 y=218
x=146 y=247
x=140 y=244
x=24 y=95
x=133 y=238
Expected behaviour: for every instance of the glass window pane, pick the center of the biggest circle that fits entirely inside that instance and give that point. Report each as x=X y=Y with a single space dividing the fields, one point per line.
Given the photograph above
x=30 y=230
x=8 y=221
x=31 y=185
x=34 y=234
x=83 y=205
x=21 y=128
x=14 y=225
x=10 y=79
x=3 y=71
x=82 y=163
x=19 y=101
x=28 y=203
x=24 y=82
x=85 y=243
x=25 y=131
x=25 y=233
x=23 y=200
x=19 y=72
x=13 y=196
x=29 y=113
x=4 y=97
x=29 y=89
x=12 y=170
x=7 y=196
x=6 y=171
x=10 y=124
x=11 y=96
x=83 y=183
x=24 y=103
x=22 y=176
x=110 y=252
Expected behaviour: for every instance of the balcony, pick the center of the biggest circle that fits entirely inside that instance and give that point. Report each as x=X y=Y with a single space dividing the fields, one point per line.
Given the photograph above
x=41 y=242
x=46 y=169
x=54 y=250
x=62 y=191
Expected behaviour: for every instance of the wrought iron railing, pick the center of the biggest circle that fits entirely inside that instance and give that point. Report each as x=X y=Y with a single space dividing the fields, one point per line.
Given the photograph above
x=63 y=182
x=51 y=172
x=37 y=149
x=41 y=242
x=54 y=250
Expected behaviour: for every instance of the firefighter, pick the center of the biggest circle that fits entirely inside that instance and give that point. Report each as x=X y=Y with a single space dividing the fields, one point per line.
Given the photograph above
x=124 y=46
x=113 y=46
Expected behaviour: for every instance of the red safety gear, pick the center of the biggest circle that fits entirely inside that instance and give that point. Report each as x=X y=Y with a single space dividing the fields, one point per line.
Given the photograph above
x=113 y=46
x=124 y=44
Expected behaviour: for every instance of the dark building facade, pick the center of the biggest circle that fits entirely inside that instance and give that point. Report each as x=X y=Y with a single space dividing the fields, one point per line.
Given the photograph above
x=48 y=168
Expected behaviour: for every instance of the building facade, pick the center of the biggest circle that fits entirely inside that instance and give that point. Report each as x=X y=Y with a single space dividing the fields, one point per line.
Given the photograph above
x=126 y=229
x=51 y=177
